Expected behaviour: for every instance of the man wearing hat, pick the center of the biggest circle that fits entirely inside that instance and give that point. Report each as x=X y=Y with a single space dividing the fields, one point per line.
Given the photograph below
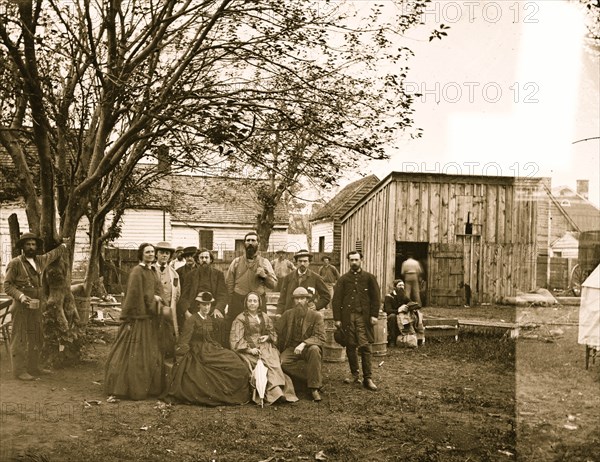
x=356 y=304
x=178 y=260
x=303 y=277
x=169 y=278
x=301 y=334
x=189 y=254
x=204 y=278
x=282 y=267
x=392 y=303
x=23 y=284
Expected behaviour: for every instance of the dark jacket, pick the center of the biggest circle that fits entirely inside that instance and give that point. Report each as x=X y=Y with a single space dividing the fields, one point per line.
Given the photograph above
x=311 y=281
x=357 y=289
x=190 y=288
x=313 y=329
x=394 y=300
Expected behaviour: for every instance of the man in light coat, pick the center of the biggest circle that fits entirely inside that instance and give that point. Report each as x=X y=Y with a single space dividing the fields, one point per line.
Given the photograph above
x=171 y=286
x=301 y=334
x=23 y=284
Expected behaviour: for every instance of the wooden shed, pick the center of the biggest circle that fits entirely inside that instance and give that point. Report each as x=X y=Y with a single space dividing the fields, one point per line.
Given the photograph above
x=477 y=237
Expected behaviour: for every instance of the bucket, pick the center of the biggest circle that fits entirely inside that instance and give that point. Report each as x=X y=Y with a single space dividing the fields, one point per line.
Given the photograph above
x=84 y=308
x=379 y=347
x=333 y=352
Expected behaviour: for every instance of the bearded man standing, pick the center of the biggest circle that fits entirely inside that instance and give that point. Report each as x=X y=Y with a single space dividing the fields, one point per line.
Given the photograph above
x=248 y=273
x=23 y=284
x=204 y=278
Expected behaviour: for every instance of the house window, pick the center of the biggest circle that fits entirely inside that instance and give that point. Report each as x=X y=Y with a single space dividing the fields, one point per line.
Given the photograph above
x=565 y=203
x=558 y=254
x=321 y=243
x=206 y=238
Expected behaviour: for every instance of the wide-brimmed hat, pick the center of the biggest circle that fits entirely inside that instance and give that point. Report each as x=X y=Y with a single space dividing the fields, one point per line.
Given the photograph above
x=279 y=251
x=190 y=251
x=27 y=237
x=301 y=292
x=205 y=297
x=302 y=253
x=164 y=246
x=179 y=249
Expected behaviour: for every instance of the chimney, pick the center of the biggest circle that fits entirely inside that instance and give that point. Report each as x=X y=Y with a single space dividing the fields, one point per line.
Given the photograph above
x=583 y=187
x=164 y=162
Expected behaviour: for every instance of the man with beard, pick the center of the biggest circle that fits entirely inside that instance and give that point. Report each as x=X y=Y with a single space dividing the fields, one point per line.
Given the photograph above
x=248 y=273
x=356 y=303
x=392 y=304
x=23 y=284
x=189 y=253
x=303 y=277
x=203 y=278
x=301 y=334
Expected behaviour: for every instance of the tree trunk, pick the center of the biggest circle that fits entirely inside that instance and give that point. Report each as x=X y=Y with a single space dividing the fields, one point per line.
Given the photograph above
x=15 y=234
x=264 y=226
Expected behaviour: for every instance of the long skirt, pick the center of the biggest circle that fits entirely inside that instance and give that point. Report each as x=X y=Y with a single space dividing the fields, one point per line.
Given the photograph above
x=209 y=374
x=278 y=383
x=134 y=368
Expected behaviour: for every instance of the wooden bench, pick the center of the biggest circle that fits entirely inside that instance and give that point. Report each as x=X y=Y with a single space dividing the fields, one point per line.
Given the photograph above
x=441 y=328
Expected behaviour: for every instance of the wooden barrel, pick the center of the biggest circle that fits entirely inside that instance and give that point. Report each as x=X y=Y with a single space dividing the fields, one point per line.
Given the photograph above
x=333 y=352
x=379 y=347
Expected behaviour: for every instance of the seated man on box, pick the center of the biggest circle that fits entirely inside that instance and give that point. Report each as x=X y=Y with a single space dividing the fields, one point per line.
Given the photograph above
x=301 y=334
x=410 y=325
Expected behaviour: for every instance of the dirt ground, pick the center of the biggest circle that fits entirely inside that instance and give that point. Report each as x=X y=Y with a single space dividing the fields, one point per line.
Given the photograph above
x=483 y=398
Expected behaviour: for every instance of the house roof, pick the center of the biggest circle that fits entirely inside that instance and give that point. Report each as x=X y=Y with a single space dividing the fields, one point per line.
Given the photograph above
x=584 y=214
x=218 y=200
x=346 y=199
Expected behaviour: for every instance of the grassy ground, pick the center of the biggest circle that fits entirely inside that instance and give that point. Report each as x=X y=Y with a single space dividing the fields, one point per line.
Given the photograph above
x=483 y=398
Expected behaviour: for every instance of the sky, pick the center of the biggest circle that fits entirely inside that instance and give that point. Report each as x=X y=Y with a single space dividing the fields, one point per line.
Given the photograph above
x=507 y=92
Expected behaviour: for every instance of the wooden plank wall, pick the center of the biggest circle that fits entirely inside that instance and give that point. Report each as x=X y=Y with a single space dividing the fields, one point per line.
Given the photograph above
x=503 y=212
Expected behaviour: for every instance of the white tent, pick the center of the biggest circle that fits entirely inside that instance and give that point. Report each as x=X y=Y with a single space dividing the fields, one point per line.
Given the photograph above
x=589 y=311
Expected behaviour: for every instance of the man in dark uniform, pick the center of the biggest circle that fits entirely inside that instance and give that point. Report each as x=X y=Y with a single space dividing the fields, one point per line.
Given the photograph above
x=356 y=304
x=189 y=254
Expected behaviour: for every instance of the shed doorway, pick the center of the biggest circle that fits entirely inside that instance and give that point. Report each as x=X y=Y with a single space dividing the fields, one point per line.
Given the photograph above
x=420 y=252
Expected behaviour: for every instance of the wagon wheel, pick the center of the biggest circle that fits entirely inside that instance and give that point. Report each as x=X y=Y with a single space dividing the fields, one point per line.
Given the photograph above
x=576 y=278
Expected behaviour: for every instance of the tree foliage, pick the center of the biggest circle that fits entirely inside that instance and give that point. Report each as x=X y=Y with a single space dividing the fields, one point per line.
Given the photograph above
x=94 y=87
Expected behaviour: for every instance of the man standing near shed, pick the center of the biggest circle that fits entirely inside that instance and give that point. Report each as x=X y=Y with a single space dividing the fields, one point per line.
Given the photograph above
x=330 y=275
x=356 y=303
x=411 y=271
x=23 y=284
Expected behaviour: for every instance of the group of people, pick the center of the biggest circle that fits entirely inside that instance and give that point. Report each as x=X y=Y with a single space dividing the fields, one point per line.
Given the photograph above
x=215 y=326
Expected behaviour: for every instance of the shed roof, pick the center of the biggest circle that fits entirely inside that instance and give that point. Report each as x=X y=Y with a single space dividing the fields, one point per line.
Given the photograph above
x=346 y=199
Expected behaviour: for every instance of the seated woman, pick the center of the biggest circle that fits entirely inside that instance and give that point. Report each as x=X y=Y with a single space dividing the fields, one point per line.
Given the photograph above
x=253 y=336
x=206 y=373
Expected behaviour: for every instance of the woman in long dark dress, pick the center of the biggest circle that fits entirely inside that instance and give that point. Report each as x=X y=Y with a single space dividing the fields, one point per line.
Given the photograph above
x=206 y=373
x=134 y=368
x=253 y=336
